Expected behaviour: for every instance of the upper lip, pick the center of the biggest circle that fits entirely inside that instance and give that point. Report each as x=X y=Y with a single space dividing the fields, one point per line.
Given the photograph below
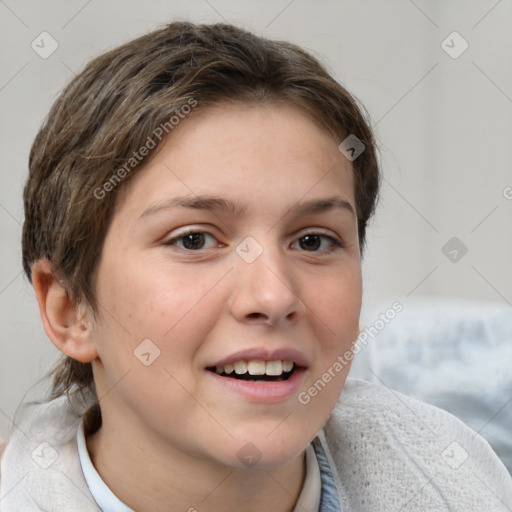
x=264 y=354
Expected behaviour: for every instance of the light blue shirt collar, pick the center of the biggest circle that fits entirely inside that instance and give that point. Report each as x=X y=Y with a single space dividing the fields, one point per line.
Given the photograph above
x=102 y=494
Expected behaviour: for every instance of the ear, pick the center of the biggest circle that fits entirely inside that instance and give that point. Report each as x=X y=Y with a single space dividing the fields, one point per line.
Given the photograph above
x=64 y=322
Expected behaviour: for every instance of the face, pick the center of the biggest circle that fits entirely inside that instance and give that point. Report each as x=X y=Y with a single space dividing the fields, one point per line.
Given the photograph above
x=229 y=286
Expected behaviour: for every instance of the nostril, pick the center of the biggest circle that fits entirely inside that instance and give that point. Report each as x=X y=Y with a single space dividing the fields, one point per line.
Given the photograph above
x=255 y=315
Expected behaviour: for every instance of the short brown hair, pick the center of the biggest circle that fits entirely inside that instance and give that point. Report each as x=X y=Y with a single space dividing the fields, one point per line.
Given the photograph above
x=113 y=107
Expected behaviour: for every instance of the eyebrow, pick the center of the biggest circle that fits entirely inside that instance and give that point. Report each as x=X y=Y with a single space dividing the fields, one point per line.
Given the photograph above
x=224 y=205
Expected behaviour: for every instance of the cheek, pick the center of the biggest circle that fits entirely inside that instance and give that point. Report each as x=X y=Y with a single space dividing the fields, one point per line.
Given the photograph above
x=175 y=310
x=181 y=306
x=153 y=297
x=336 y=304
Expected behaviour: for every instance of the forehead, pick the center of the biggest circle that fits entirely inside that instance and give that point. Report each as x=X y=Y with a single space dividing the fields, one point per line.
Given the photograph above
x=269 y=151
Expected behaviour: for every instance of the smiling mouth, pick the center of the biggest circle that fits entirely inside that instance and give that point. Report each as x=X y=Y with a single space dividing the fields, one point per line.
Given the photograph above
x=256 y=370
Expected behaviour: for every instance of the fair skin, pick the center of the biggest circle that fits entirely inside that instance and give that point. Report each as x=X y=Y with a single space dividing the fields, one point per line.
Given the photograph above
x=204 y=305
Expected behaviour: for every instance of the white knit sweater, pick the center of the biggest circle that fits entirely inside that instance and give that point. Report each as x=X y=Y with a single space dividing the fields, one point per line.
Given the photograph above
x=388 y=453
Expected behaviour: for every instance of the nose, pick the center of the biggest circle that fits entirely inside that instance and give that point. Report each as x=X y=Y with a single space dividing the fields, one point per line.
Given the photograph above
x=265 y=291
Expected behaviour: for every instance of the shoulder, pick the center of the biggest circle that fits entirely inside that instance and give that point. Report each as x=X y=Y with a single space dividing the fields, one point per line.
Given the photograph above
x=390 y=449
x=40 y=467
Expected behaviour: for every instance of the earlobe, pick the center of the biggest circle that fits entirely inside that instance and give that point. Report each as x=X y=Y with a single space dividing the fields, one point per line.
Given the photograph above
x=64 y=322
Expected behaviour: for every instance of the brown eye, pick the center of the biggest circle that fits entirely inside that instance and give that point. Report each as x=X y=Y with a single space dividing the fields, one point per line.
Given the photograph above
x=310 y=242
x=316 y=242
x=192 y=241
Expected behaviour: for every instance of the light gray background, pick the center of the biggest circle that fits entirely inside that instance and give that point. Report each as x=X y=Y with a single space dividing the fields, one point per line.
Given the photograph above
x=444 y=126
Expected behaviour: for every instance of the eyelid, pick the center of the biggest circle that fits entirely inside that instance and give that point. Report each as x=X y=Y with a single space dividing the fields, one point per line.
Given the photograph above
x=190 y=228
x=316 y=231
x=320 y=231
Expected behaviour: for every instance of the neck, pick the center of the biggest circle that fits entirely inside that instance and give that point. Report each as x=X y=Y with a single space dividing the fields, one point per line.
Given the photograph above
x=148 y=477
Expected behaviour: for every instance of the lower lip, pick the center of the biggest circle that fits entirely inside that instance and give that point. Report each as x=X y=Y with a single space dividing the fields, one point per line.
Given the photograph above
x=263 y=391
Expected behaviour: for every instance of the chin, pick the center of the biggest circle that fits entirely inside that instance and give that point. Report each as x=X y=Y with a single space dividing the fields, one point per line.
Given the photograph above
x=267 y=449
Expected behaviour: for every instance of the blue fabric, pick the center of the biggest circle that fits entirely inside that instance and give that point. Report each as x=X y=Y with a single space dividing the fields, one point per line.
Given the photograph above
x=329 y=501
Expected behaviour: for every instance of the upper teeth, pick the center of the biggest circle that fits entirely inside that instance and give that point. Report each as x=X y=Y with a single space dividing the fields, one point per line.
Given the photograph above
x=256 y=367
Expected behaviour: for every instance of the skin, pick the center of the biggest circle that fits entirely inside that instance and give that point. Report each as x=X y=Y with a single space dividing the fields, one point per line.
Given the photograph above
x=169 y=420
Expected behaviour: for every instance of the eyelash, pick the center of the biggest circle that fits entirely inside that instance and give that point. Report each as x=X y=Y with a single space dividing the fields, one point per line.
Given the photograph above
x=335 y=244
